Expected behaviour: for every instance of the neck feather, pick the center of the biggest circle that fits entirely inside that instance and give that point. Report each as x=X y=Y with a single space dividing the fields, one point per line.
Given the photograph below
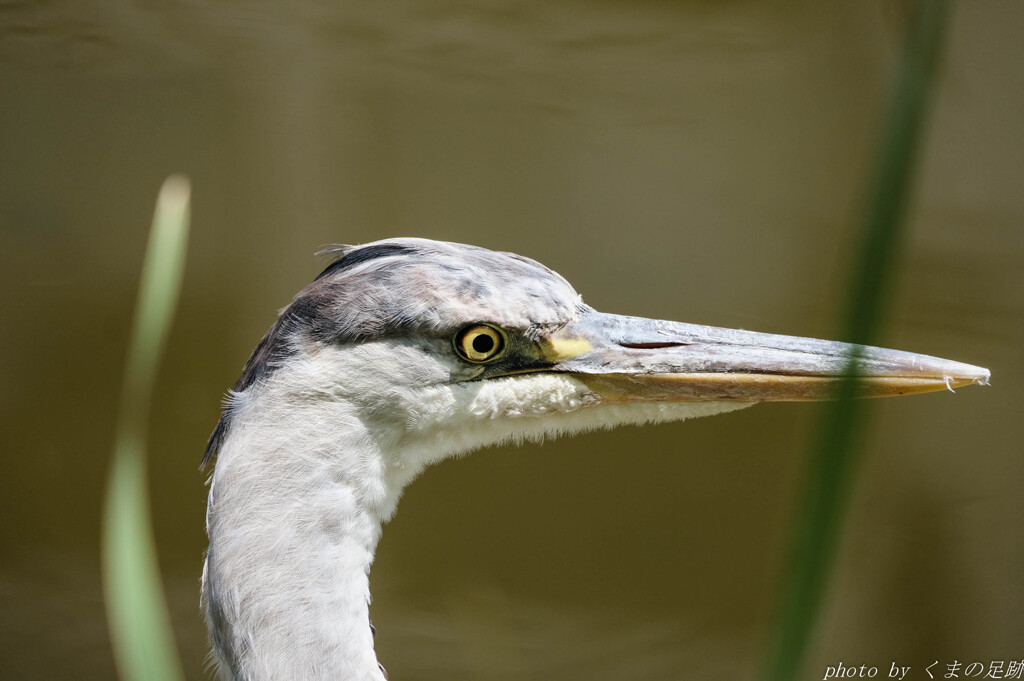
x=293 y=522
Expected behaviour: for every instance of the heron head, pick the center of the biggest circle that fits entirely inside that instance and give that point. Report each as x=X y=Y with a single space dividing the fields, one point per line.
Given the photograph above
x=442 y=348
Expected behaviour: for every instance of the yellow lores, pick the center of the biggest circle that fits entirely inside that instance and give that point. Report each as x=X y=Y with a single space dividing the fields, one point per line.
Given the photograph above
x=561 y=349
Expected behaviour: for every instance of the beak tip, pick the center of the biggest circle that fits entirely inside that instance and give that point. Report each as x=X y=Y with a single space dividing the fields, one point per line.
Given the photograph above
x=963 y=375
x=983 y=377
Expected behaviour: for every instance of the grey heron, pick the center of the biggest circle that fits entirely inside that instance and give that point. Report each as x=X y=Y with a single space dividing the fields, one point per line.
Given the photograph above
x=404 y=352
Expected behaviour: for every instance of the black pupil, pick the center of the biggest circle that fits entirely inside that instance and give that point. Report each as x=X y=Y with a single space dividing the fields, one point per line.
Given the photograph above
x=483 y=343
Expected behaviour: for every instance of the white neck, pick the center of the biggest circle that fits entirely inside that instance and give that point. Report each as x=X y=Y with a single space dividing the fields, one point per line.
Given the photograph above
x=311 y=468
x=292 y=537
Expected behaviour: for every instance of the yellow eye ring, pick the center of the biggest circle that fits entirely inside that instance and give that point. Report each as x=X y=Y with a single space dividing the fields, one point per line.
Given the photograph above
x=480 y=343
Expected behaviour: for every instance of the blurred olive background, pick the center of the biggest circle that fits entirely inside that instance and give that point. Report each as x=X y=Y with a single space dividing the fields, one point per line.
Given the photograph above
x=700 y=161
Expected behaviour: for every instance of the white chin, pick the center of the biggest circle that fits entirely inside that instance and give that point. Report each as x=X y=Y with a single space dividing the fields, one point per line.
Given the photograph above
x=456 y=419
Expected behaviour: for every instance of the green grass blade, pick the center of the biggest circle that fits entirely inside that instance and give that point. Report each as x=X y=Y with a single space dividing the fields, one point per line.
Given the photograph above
x=140 y=628
x=833 y=457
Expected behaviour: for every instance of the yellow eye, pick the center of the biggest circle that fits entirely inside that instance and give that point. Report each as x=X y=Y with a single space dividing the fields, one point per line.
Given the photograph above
x=480 y=343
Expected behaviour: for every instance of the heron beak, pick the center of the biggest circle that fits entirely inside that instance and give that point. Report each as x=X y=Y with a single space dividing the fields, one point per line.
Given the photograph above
x=637 y=359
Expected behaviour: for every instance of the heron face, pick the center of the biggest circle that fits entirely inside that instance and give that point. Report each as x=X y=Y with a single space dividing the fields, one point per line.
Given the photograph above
x=494 y=383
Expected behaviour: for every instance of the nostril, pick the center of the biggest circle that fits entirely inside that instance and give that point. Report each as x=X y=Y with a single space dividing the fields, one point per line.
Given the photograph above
x=651 y=346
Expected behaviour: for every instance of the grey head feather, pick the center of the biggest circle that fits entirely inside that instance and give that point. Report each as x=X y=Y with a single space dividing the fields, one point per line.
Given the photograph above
x=401 y=287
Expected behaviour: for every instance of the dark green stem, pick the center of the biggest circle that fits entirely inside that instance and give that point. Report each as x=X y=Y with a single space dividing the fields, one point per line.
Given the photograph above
x=833 y=457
